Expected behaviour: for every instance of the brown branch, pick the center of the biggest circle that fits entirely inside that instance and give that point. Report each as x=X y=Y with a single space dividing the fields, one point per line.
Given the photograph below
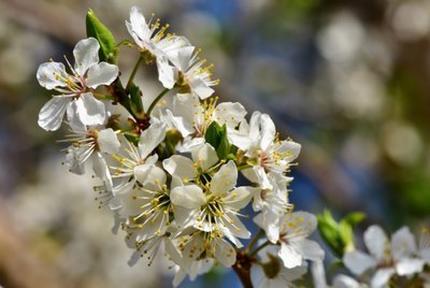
x=242 y=267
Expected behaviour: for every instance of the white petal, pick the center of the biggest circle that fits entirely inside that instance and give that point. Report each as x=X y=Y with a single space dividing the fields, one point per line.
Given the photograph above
x=290 y=256
x=205 y=156
x=262 y=177
x=108 y=141
x=184 y=217
x=298 y=225
x=288 y=275
x=172 y=251
x=151 y=179
x=73 y=162
x=224 y=253
x=269 y=222
x=376 y=241
x=310 y=250
x=268 y=131
x=381 y=277
x=224 y=180
x=180 y=166
x=229 y=113
x=51 y=75
x=240 y=197
x=258 y=278
x=181 y=57
x=409 y=266
x=343 y=281
x=179 y=276
x=239 y=138
x=101 y=169
x=166 y=73
x=101 y=74
x=250 y=174
x=73 y=118
x=150 y=138
x=236 y=227
x=86 y=53
x=358 y=262
x=189 y=196
x=171 y=44
x=90 y=110
x=52 y=113
x=137 y=26
x=201 y=89
x=403 y=244
x=289 y=148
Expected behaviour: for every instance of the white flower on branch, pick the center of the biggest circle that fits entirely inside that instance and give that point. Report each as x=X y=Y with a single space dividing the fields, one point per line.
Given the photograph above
x=75 y=88
x=214 y=205
x=264 y=151
x=386 y=258
x=155 y=44
x=270 y=272
x=273 y=204
x=193 y=76
x=192 y=117
x=294 y=248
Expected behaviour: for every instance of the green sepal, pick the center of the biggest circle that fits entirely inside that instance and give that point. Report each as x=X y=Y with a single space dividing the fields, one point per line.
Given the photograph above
x=216 y=135
x=108 y=46
x=339 y=236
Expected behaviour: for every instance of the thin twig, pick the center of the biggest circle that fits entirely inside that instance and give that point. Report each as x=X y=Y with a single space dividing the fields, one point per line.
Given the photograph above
x=158 y=98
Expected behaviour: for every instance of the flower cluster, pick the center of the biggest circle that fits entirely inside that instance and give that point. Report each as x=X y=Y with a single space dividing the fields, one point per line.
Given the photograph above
x=169 y=171
x=181 y=175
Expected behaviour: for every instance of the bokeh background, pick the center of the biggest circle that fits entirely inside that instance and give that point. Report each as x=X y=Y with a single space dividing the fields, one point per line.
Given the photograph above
x=349 y=80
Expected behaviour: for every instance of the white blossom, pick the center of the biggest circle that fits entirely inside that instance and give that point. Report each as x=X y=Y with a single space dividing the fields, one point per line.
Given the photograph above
x=271 y=273
x=265 y=153
x=193 y=76
x=152 y=39
x=294 y=248
x=75 y=88
x=214 y=205
x=385 y=258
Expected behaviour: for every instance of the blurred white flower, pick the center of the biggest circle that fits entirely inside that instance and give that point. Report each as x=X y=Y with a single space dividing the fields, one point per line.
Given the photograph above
x=271 y=273
x=342 y=39
x=385 y=259
x=294 y=229
x=411 y=20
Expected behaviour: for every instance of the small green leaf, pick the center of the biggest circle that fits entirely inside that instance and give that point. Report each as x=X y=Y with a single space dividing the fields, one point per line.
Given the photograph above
x=96 y=29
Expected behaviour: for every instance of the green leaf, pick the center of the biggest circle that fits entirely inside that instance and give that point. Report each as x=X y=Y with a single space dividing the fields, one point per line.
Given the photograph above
x=96 y=29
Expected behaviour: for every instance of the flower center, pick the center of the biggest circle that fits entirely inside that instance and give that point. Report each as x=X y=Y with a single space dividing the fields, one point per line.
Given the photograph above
x=272 y=267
